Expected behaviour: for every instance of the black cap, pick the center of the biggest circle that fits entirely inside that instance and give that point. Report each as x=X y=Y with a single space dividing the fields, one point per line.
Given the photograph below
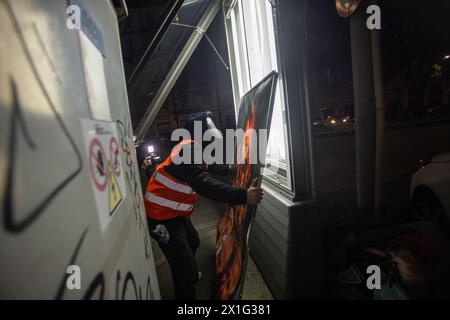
x=200 y=116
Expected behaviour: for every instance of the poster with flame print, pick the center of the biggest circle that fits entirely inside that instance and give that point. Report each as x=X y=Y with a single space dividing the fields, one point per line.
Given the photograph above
x=255 y=112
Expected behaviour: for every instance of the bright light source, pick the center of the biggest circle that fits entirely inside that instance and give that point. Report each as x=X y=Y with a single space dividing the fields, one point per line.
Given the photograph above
x=447 y=57
x=344 y=120
x=151 y=149
x=333 y=121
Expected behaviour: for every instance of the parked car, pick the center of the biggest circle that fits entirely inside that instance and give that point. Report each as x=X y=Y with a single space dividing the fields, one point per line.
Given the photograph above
x=430 y=189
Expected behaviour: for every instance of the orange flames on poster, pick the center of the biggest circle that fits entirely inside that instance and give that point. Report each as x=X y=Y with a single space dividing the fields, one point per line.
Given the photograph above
x=231 y=241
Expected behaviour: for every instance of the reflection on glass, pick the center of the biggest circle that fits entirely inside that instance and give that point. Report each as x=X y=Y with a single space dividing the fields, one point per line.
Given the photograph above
x=254 y=46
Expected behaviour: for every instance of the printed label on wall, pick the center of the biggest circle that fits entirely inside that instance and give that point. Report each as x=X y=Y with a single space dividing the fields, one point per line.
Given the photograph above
x=105 y=168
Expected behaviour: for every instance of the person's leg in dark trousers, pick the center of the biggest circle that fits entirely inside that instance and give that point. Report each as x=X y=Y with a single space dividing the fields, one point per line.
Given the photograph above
x=180 y=253
x=192 y=236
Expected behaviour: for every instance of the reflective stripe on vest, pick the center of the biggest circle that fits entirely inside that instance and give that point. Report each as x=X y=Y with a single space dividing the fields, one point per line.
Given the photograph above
x=169 y=203
x=172 y=184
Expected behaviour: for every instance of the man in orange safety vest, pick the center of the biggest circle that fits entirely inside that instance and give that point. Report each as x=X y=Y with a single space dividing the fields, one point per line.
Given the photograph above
x=170 y=199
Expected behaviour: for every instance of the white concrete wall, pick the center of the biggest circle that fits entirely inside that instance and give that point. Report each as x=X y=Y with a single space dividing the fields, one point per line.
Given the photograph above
x=50 y=213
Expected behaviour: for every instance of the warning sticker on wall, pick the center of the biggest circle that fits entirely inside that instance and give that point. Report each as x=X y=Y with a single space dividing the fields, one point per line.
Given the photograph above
x=105 y=168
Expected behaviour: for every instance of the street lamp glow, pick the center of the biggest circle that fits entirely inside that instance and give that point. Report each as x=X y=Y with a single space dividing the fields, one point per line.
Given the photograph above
x=151 y=149
x=447 y=57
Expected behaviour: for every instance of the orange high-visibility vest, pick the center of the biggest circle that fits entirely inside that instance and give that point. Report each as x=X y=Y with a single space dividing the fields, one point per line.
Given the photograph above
x=166 y=196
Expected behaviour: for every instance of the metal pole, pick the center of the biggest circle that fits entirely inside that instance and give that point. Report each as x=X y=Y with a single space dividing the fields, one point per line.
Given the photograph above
x=364 y=110
x=379 y=105
x=445 y=95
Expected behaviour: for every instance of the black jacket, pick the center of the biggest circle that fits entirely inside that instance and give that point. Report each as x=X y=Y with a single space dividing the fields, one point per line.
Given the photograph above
x=198 y=177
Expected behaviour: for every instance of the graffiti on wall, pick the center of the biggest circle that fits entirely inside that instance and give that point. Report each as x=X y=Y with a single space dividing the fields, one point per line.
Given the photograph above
x=132 y=178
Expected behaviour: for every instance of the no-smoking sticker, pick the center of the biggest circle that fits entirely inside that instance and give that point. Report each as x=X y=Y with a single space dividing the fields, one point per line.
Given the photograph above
x=104 y=160
x=114 y=153
x=97 y=164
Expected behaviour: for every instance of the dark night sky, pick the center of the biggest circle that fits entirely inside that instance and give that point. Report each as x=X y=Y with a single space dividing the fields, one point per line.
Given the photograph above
x=412 y=31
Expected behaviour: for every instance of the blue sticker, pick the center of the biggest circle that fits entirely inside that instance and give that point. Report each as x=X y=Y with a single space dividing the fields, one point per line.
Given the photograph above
x=90 y=27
